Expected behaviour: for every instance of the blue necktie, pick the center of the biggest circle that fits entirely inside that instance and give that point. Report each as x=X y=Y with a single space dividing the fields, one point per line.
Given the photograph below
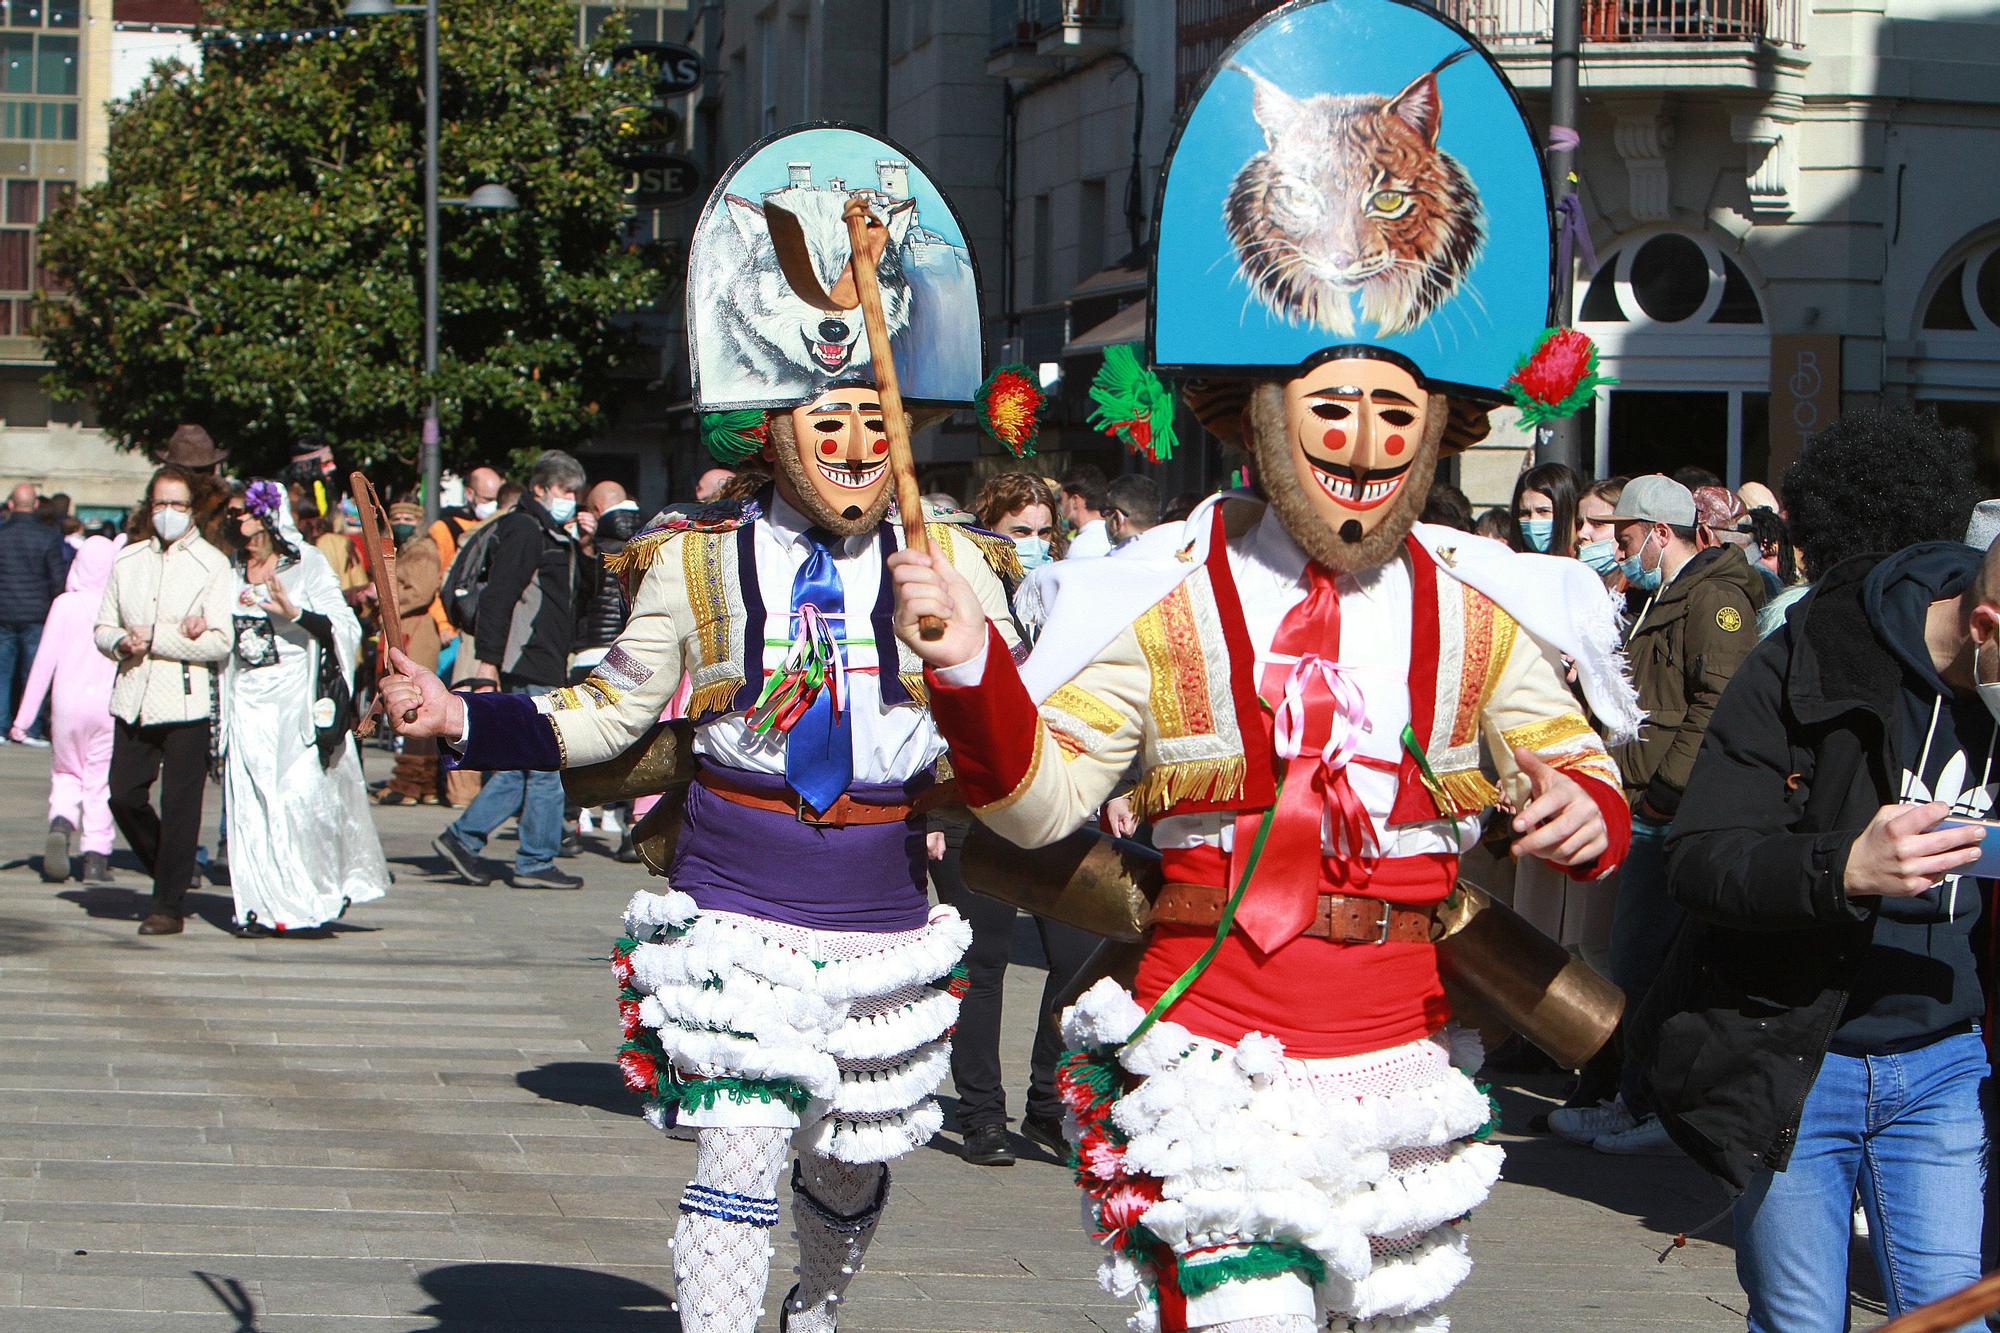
x=819 y=749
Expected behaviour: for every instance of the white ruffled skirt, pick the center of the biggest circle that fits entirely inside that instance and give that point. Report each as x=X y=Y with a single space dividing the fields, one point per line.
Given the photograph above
x=842 y=1036
x=1242 y=1183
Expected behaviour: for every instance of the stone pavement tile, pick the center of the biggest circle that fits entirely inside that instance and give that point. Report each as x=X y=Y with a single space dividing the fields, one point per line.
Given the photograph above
x=322 y=1240
x=10 y=1288
x=609 y=1204
x=424 y=1245
x=326 y=1298
x=97 y=1321
x=525 y=1202
x=97 y=1293
x=399 y=1201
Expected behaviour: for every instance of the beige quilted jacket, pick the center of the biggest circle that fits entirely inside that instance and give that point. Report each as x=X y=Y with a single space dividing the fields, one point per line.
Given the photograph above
x=161 y=588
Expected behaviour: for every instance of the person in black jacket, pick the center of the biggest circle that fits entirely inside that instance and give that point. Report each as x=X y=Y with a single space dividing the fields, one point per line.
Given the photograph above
x=34 y=562
x=540 y=578
x=603 y=620
x=1817 y=1026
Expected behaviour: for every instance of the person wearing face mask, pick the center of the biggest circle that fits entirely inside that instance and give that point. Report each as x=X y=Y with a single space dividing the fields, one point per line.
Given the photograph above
x=165 y=620
x=1696 y=623
x=418 y=575
x=1818 y=1022
x=539 y=581
x=1545 y=516
x=1595 y=531
x=1020 y=507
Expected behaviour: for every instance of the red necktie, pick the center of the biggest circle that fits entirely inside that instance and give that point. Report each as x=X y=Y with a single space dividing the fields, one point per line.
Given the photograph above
x=1300 y=686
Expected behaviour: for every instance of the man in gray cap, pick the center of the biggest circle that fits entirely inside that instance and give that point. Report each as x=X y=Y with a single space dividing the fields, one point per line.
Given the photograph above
x=1695 y=620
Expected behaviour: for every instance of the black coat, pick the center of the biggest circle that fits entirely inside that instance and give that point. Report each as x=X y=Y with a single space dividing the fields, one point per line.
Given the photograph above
x=1799 y=757
x=536 y=587
x=34 y=563
x=604 y=619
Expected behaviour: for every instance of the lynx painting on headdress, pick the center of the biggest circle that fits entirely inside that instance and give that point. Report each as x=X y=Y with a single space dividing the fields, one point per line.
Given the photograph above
x=1352 y=194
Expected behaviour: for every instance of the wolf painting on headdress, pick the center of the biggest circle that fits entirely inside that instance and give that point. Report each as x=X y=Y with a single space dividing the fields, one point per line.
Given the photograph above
x=1351 y=193
x=755 y=343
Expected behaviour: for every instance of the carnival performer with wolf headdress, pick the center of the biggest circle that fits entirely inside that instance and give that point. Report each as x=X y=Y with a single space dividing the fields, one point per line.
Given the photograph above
x=1274 y=1123
x=792 y=993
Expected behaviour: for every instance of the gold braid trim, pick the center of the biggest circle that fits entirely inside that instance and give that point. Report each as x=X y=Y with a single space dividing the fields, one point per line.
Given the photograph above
x=1167 y=785
x=1465 y=791
x=640 y=552
x=998 y=551
x=919 y=688
x=1087 y=708
x=1546 y=735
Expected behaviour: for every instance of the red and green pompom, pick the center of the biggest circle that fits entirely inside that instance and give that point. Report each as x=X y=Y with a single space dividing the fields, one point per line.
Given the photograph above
x=641 y=1071
x=732 y=437
x=1557 y=379
x=1133 y=404
x=1010 y=406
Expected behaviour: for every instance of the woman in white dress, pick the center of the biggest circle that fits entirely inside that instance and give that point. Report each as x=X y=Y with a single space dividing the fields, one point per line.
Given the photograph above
x=302 y=844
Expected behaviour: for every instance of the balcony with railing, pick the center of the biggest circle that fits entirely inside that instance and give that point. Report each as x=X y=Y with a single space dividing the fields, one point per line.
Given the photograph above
x=1035 y=37
x=1644 y=44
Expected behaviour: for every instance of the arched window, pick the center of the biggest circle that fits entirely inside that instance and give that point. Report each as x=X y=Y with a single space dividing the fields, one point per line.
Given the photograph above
x=1967 y=298
x=1680 y=325
x=1954 y=363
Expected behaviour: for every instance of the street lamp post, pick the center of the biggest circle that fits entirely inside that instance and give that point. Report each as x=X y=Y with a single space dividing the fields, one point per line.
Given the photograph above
x=430 y=461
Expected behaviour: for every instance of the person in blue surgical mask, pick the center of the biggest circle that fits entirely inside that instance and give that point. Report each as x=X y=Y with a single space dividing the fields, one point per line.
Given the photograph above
x=1545 y=516
x=1020 y=507
x=1597 y=545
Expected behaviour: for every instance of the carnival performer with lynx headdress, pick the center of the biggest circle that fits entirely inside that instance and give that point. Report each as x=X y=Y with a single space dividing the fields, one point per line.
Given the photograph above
x=792 y=992
x=1274 y=1124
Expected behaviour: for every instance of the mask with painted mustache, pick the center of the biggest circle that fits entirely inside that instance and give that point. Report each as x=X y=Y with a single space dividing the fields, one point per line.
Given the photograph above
x=832 y=457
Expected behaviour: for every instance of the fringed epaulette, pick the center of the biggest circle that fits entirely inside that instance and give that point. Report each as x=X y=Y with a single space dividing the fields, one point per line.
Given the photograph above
x=1205 y=780
x=998 y=551
x=646 y=544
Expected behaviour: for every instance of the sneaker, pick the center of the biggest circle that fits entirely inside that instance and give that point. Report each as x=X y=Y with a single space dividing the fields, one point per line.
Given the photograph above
x=626 y=852
x=551 y=878
x=572 y=845
x=1045 y=1132
x=96 y=868
x=1648 y=1138
x=34 y=742
x=987 y=1146
x=1859 y=1225
x=1587 y=1124
x=462 y=859
x=55 y=852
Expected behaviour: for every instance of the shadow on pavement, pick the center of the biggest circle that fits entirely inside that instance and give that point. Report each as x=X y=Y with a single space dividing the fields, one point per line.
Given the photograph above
x=593 y=1083
x=112 y=902
x=233 y=1298
x=472 y=1298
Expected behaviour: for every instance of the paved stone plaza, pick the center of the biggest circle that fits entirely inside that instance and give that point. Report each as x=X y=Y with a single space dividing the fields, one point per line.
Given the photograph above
x=414 y=1124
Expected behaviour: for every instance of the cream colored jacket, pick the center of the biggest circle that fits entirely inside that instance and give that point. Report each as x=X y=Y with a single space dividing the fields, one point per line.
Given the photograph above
x=158 y=589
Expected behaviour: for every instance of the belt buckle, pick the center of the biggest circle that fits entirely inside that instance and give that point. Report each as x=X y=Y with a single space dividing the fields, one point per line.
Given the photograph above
x=1382 y=926
x=819 y=821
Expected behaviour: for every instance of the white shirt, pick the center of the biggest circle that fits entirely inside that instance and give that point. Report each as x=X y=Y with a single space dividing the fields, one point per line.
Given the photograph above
x=1376 y=609
x=890 y=744
x=1091 y=541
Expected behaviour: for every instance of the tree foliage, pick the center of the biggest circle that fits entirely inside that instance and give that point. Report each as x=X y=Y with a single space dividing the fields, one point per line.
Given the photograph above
x=254 y=260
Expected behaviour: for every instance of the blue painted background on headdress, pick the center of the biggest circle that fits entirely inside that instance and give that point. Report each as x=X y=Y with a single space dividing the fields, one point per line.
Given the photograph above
x=1207 y=314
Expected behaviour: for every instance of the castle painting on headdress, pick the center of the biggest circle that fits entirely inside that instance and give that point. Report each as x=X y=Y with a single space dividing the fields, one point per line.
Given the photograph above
x=755 y=343
x=1353 y=176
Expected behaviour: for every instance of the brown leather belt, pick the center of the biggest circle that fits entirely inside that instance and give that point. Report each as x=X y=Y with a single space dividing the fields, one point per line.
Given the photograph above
x=843 y=812
x=1340 y=919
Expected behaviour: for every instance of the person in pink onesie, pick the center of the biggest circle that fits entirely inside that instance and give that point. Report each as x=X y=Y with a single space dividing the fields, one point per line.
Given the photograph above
x=79 y=718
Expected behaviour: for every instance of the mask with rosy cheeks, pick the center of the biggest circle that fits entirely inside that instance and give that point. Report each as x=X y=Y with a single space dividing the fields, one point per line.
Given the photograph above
x=1348 y=450
x=833 y=453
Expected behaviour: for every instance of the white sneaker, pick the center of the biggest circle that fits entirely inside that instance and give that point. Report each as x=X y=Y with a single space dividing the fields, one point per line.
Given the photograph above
x=34 y=742
x=1860 y=1224
x=1648 y=1138
x=584 y=824
x=1584 y=1124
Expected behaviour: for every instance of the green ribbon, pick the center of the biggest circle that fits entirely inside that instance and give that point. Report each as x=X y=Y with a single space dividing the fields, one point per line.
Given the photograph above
x=1173 y=993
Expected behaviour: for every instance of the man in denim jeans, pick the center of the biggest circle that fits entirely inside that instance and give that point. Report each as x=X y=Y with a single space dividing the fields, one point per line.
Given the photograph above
x=542 y=574
x=1816 y=1031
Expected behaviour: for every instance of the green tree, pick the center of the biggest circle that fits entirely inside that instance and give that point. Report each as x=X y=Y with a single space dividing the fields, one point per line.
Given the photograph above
x=254 y=259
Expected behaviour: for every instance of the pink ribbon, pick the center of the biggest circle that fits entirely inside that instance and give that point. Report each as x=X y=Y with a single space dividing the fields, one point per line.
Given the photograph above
x=1344 y=731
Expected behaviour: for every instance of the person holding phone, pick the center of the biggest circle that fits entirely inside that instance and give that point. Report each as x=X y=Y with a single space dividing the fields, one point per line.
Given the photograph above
x=1816 y=1028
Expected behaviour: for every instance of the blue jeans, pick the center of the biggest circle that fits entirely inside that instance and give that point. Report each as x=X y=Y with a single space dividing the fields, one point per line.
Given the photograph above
x=1910 y=1130
x=536 y=797
x=17 y=654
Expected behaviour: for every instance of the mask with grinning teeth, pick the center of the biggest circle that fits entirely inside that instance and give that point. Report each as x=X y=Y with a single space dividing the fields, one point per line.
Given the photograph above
x=832 y=457
x=1347 y=451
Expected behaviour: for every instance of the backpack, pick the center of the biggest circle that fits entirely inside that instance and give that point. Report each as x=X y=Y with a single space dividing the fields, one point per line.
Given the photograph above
x=466 y=580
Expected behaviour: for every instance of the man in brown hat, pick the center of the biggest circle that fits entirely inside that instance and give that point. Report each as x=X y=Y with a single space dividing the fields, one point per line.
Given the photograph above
x=190 y=448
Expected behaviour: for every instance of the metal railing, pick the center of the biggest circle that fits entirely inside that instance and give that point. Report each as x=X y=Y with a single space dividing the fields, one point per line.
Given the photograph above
x=1505 y=23
x=1017 y=23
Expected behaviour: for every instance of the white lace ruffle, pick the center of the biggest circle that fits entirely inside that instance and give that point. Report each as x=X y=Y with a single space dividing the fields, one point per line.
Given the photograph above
x=1364 y=1160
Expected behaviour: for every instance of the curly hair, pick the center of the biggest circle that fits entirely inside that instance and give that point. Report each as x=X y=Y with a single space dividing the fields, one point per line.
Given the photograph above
x=1879 y=479
x=1007 y=493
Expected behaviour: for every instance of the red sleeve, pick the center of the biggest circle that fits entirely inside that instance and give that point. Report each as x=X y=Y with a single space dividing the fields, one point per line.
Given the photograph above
x=991 y=727
x=1617 y=829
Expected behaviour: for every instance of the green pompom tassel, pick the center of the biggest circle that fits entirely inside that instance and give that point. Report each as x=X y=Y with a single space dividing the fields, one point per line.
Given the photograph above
x=732 y=437
x=1133 y=404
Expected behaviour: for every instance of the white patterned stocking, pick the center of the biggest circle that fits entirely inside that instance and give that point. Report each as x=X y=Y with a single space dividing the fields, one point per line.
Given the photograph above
x=835 y=1206
x=722 y=1248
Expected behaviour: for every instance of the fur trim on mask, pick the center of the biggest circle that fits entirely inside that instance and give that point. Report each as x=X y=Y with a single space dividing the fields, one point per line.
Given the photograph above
x=792 y=476
x=1271 y=446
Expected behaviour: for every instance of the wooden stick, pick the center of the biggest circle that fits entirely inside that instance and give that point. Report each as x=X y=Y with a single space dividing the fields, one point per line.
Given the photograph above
x=902 y=463
x=379 y=549
x=1961 y=1307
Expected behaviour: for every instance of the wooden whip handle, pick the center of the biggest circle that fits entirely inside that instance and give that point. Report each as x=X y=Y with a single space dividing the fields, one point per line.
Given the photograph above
x=902 y=463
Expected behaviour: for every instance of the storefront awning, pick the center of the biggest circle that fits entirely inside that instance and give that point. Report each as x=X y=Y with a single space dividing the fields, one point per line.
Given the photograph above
x=1127 y=326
